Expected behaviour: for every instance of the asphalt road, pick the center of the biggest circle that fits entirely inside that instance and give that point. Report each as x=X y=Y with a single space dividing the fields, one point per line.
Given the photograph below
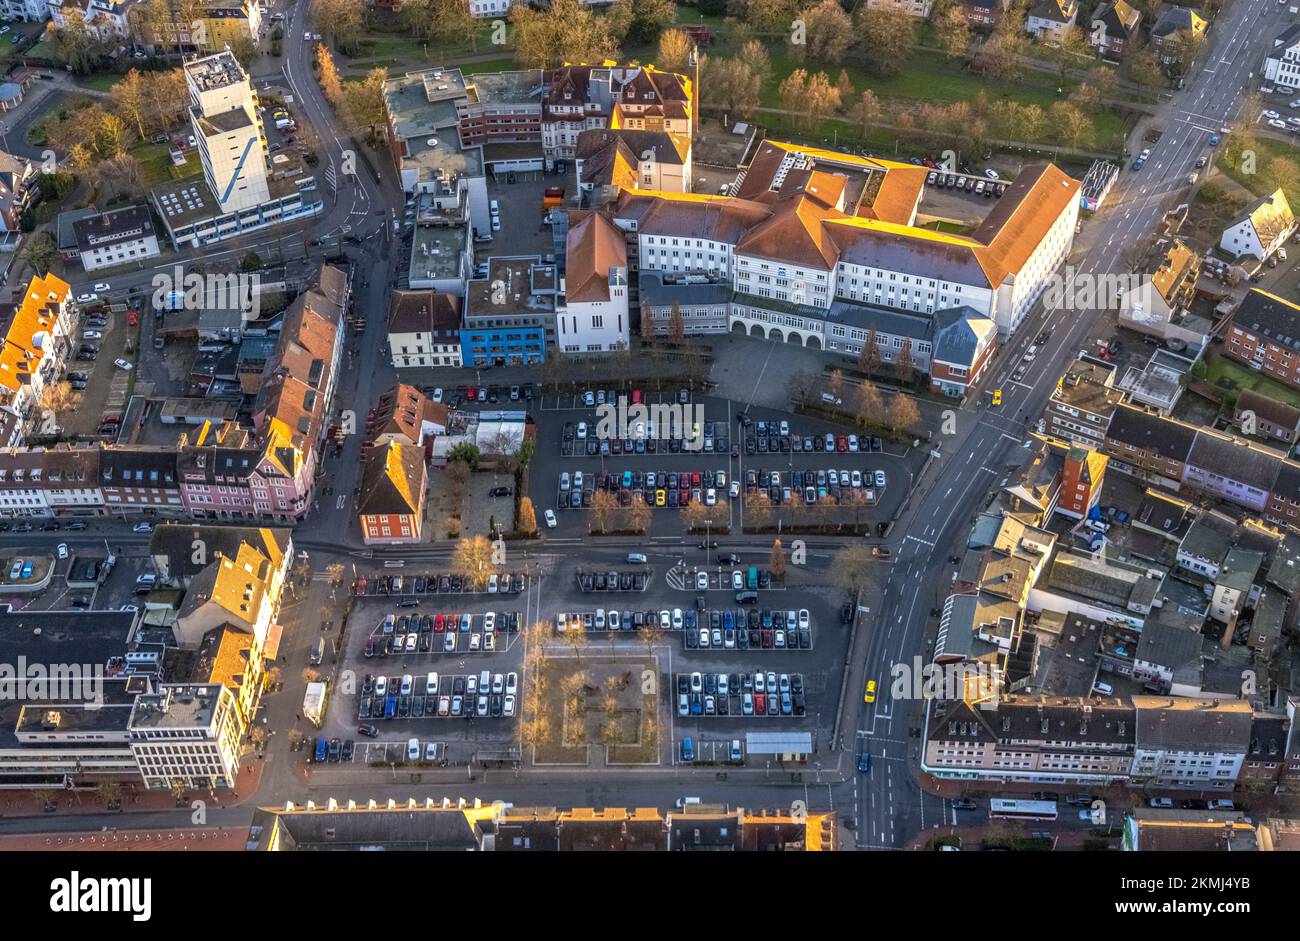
x=890 y=804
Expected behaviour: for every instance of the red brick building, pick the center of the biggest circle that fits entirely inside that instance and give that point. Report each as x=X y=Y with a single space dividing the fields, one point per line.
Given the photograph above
x=391 y=505
x=1265 y=335
x=1081 y=479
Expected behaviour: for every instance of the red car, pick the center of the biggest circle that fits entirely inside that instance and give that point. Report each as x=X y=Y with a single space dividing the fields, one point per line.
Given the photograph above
x=636 y=396
x=439 y=624
x=760 y=704
x=471 y=393
x=695 y=479
x=133 y=319
x=842 y=443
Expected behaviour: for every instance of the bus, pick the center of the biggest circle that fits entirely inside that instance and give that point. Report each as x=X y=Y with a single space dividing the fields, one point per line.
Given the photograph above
x=1000 y=809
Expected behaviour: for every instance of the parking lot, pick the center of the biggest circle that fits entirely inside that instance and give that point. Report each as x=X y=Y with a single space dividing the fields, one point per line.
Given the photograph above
x=433 y=695
x=522 y=230
x=669 y=604
x=561 y=451
x=740 y=695
x=102 y=338
x=400 y=694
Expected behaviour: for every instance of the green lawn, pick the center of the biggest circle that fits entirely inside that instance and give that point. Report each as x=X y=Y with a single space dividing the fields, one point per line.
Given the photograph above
x=156 y=165
x=1266 y=150
x=1226 y=374
x=100 y=81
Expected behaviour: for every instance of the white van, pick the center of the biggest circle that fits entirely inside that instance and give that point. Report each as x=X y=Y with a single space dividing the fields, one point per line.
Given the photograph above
x=637 y=558
x=1104 y=688
x=683 y=802
x=484 y=681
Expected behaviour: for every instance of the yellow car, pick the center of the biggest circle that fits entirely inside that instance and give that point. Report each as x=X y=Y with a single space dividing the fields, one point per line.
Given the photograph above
x=661 y=498
x=997 y=396
x=870 y=694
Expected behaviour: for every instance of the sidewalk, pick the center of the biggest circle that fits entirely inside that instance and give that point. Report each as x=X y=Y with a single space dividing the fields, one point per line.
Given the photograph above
x=134 y=798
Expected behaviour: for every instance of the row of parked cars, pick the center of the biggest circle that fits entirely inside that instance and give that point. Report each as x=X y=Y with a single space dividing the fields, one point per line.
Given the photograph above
x=580 y=438
x=442 y=632
x=656 y=488
x=481 y=695
x=717 y=628
x=740 y=694
x=813 y=485
x=989 y=187
x=372 y=585
x=611 y=581
x=734 y=632
x=824 y=443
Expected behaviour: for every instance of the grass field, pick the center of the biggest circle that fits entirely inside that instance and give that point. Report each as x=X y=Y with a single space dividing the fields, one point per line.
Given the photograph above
x=100 y=82
x=1262 y=181
x=156 y=165
x=1231 y=376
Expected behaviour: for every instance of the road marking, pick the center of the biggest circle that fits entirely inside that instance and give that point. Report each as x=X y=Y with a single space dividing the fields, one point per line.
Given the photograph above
x=923 y=542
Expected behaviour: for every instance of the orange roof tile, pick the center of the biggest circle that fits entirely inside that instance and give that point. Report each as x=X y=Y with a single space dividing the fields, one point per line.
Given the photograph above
x=594 y=245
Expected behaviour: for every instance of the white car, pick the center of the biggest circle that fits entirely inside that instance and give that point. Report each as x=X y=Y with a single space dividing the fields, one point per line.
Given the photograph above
x=600 y=619
x=381 y=686
x=880 y=480
x=92 y=335
x=431 y=684
x=992 y=174
x=430 y=751
x=665 y=620
x=735 y=489
x=142 y=528
x=701 y=581
x=87 y=298
x=1279 y=125
x=710 y=497
x=102 y=286
x=413 y=749
x=492 y=584
x=738 y=580
x=495 y=208
x=407 y=681
x=677 y=619
x=582 y=430
x=63 y=550
x=550 y=519
x=512 y=683
x=496 y=223
x=804 y=619
x=490 y=619
x=123 y=364
x=437 y=395
x=697 y=682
